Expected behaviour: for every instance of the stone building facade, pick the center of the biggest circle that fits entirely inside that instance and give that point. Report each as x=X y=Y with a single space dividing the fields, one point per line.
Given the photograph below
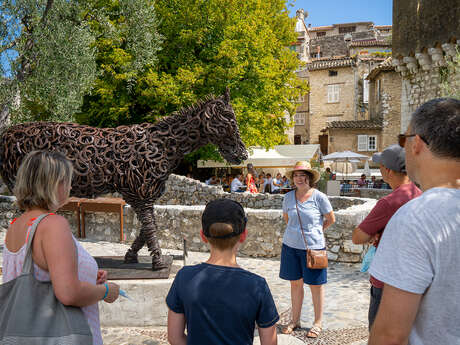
x=331 y=98
x=336 y=110
x=426 y=42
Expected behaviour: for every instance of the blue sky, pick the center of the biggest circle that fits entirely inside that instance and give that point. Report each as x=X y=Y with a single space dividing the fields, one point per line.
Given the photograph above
x=327 y=12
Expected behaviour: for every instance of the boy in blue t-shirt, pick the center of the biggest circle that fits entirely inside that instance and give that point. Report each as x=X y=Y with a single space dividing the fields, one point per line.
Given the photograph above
x=218 y=301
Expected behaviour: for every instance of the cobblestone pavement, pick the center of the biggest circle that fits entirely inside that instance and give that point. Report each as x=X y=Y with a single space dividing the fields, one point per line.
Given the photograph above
x=347 y=298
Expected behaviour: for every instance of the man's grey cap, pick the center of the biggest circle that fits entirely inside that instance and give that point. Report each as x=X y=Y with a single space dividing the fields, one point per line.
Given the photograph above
x=393 y=158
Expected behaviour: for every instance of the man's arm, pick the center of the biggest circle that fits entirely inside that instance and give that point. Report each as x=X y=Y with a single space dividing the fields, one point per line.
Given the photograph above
x=268 y=336
x=329 y=219
x=176 y=328
x=395 y=317
x=360 y=237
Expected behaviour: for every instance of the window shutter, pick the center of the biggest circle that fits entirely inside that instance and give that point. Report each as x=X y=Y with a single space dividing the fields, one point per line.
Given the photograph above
x=365 y=89
x=333 y=92
x=336 y=93
x=362 y=142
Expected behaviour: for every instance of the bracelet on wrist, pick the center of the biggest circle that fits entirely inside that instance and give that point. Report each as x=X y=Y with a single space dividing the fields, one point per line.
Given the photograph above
x=106 y=290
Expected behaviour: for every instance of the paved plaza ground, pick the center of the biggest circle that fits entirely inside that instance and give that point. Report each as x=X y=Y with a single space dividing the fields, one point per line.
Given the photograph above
x=345 y=314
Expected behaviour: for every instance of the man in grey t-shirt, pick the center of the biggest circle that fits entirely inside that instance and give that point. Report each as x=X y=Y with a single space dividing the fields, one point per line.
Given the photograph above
x=419 y=251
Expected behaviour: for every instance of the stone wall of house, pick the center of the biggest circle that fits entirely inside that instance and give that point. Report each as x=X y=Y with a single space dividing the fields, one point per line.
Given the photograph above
x=421 y=24
x=391 y=107
x=178 y=222
x=320 y=109
x=335 y=45
x=342 y=139
x=428 y=75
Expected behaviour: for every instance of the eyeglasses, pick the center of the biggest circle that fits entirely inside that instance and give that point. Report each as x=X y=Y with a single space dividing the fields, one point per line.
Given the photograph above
x=402 y=139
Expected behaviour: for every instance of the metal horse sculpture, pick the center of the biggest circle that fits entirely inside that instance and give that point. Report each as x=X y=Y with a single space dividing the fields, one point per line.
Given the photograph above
x=134 y=161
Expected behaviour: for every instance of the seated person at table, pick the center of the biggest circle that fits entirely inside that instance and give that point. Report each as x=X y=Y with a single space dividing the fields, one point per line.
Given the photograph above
x=237 y=184
x=277 y=182
x=362 y=182
x=212 y=180
x=285 y=183
x=218 y=301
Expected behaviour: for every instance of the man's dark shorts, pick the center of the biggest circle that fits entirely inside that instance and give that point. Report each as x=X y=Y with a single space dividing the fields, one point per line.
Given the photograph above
x=376 y=296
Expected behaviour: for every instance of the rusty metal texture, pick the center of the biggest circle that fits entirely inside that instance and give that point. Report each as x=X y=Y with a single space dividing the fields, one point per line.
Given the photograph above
x=134 y=161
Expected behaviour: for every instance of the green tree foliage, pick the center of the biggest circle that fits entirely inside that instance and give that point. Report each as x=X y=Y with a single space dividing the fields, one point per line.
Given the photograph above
x=47 y=49
x=207 y=46
x=126 y=46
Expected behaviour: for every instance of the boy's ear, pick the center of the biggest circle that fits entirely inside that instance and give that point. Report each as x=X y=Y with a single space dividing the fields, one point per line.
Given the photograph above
x=243 y=236
x=203 y=237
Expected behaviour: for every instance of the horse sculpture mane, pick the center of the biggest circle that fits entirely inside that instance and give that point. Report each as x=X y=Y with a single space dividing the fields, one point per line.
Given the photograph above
x=134 y=161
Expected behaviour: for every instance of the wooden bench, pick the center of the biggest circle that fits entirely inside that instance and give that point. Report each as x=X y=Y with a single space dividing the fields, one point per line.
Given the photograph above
x=73 y=205
x=81 y=206
x=102 y=205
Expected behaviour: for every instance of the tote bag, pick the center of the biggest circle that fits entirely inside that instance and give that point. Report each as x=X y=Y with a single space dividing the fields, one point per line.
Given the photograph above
x=30 y=313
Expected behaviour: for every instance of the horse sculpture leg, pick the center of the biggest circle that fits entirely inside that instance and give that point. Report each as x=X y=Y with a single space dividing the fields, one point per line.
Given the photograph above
x=147 y=234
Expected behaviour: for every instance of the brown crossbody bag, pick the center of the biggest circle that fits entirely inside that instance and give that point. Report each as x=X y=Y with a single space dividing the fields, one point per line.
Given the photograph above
x=316 y=258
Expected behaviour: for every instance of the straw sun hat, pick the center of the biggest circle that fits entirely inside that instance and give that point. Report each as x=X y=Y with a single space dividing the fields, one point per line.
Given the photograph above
x=304 y=166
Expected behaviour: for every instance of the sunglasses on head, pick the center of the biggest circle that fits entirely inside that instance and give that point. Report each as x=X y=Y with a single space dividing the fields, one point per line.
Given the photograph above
x=402 y=139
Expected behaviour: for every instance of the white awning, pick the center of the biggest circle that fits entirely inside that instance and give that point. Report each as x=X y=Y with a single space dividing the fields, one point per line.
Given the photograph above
x=279 y=156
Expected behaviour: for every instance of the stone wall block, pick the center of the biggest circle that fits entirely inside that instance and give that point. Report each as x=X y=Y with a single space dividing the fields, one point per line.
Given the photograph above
x=350 y=247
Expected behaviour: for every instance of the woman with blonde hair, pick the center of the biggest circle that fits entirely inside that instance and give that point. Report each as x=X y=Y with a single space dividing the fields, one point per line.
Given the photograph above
x=307 y=213
x=42 y=186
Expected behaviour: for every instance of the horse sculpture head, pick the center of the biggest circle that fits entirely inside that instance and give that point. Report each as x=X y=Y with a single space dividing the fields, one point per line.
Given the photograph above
x=222 y=130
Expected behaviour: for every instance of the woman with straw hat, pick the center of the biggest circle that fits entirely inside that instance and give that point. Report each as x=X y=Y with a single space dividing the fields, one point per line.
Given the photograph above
x=314 y=211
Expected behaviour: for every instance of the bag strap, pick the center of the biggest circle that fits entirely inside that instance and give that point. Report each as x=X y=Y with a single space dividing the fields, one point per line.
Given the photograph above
x=300 y=222
x=28 y=266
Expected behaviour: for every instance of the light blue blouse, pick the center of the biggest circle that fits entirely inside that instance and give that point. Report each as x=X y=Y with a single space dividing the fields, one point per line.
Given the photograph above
x=311 y=213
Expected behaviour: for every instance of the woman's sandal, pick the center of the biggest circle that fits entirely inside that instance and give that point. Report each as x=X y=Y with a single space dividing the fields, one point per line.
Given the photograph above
x=314 y=332
x=290 y=327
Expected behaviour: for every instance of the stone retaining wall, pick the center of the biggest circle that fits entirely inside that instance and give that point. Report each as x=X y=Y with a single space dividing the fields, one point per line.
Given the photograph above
x=176 y=222
x=373 y=193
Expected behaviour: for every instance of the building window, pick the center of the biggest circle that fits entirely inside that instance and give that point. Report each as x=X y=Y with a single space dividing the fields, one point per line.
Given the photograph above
x=321 y=33
x=299 y=119
x=367 y=143
x=333 y=73
x=297 y=139
x=333 y=92
x=300 y=99
x=346 y=29
x=365 y=89
x=378 y=90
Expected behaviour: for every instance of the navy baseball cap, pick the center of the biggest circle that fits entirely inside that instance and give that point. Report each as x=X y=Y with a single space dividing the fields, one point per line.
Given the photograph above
x=225 y=211
x=393 y=158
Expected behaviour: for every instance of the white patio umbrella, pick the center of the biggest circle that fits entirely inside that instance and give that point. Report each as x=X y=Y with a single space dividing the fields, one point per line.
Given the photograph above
x=367 y=169
x=345 y=156
x=340 y=167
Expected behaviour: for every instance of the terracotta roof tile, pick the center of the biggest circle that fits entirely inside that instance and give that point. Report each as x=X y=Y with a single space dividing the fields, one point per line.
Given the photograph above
x=384 y=66
x=321 y=28
x=370 y=43
x=363 y=124
x=330 y=62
